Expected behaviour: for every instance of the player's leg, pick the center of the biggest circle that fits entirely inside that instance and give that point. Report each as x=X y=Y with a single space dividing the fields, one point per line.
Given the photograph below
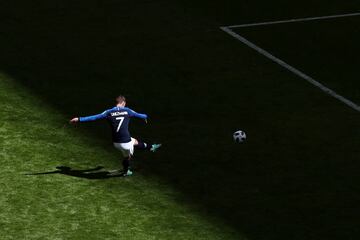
x=126 y=166
x=142 y=145
x=127 y=150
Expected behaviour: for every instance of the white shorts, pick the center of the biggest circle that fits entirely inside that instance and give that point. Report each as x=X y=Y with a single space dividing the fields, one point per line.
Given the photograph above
x=127 y=149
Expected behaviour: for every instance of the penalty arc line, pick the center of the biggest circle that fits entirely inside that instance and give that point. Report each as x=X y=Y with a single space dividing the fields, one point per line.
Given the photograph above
x=291 y=69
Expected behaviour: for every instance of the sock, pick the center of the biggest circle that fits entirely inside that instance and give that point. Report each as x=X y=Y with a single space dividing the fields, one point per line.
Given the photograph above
x=126 y=164
x=142 y=145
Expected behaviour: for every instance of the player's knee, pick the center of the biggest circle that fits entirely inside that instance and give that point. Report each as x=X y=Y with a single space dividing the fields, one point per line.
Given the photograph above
x=136 y=142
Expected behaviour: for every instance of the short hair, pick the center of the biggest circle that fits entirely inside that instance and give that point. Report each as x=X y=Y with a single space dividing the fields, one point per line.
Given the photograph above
x=120 y=99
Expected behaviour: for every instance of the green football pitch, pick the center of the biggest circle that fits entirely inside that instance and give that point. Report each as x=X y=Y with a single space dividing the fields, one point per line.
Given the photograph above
x=295 y=178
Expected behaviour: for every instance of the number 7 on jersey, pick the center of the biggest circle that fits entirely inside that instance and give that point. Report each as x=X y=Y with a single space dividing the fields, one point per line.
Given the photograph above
x=120 y=122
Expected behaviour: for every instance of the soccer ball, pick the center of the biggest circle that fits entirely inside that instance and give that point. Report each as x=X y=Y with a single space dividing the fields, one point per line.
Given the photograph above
x=239 y=136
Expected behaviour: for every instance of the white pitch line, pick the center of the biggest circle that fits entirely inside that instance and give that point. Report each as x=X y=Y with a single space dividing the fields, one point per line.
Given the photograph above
x=295 y=20
x=291 y=69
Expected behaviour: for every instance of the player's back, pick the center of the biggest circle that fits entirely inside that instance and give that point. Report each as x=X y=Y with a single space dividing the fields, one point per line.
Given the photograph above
x=119 y=119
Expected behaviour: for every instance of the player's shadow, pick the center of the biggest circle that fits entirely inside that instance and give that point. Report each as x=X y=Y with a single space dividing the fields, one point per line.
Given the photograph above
x=92 y=173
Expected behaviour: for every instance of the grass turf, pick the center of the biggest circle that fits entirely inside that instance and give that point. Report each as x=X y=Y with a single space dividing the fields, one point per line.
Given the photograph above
x=326 y=50
x=294 y=179
x=56 y=206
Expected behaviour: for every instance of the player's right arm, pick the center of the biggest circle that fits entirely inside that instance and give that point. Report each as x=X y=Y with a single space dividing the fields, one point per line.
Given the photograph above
x=89 y=118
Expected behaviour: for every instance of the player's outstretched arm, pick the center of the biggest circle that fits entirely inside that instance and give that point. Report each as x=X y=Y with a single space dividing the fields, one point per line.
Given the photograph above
x=89 y=118
x=138 y=115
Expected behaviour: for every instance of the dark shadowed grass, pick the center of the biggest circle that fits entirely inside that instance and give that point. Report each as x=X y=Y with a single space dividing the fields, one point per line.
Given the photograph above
x=293 y=179
x=326 y=50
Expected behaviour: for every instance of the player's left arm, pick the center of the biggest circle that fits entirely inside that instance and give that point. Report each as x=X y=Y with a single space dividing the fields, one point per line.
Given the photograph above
x=132 y=113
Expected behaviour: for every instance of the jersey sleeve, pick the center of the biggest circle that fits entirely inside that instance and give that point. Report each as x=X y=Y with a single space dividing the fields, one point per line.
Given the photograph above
x=132 y=113
x=94 y=117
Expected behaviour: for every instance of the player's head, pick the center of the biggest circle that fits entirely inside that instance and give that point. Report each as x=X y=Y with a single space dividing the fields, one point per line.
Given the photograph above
x=120 y=101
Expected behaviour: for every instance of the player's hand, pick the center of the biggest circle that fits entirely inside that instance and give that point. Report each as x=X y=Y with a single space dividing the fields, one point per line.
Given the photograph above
x=74 y=120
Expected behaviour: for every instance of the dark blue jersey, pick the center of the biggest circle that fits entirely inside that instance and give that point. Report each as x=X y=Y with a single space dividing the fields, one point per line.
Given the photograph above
x=119 y=118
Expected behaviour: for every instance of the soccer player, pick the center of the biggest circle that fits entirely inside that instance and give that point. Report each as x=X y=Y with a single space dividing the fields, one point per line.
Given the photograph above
x=119 y=118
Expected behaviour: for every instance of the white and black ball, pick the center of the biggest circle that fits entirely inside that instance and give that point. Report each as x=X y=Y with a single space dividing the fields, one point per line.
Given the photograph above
x=239 y=136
